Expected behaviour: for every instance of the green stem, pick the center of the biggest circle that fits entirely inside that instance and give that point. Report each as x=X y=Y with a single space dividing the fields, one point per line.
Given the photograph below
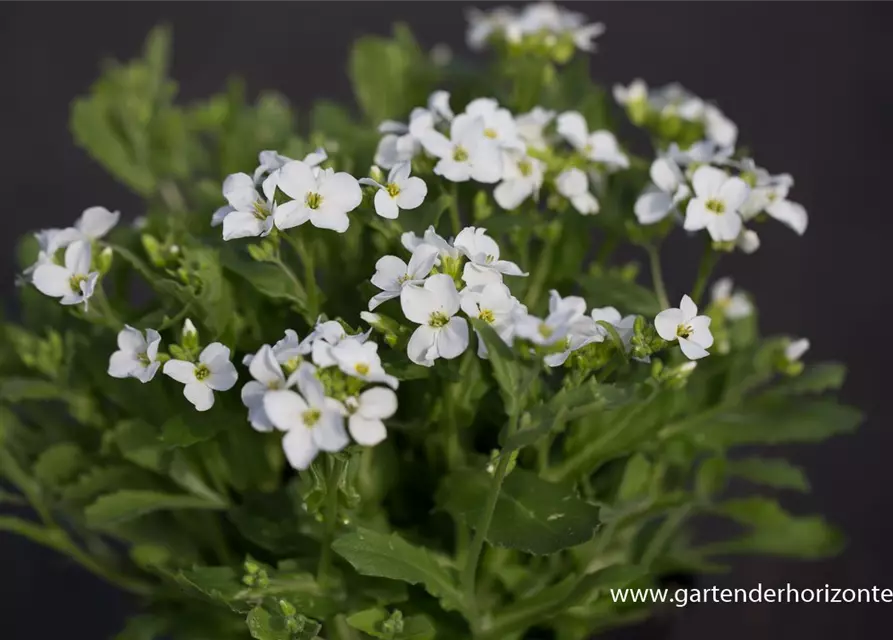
x=663 y=534
x=657 y=276
x=541 y=271
x=330 y=519
x=308 y=314
x=708 y=262
x=482 y=526
x=455 y=218
x=101 y=308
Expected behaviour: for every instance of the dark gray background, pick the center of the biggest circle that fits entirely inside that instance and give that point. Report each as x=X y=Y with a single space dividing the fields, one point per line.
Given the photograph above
x=808 y=85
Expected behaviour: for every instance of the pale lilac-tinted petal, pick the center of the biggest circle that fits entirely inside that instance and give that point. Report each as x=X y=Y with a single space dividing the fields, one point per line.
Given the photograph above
x=223 y=375
x=145 y=374
x=77 y=257
x=265 y=368
x=422 y=261
x=199 y=395
x=653 y=207
x=310 y=386
x=239 y=191
x=369 y=182
x=180 y=370
x=420 y=344
x=467 y=130
x=476 y=276
x=122 y=364
x=378 y=403
x=444 y=290
x=666 y=175
x=241 y=224
x=399 y=173
x=300 y=448
x=385 y=205
x=697 y=215
x=734 y=192
x=452 y=340
x=253 y=392
x=790 y=213
x=386 y=154
x=341 y=191
x=707 y=181
x=388 y=270
x=418 y=303
x=725 y=227
x=296 y=179
x=366 y=431
x=608 y=314
x=329 y=434
x=392 y=126
x=667 y=322
x=691 y=350
x=131 y=340
x=95 y=222
x=213 y=351
x=291 y=214
x=285 y=408
x=507 y=268
x=412 y=193
x=572 y=127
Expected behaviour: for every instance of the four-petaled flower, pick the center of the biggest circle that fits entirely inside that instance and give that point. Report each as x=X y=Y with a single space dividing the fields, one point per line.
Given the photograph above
x=685 y=325
x=733 y=304
x=247 y=214
x=400 y=191
x=366 y=412
x=74 y=282
x=319 y=195
x=574 y=185
x=494 y=304
x=433 y=307
x=312 y=422
x=361 y=360
x=716 y=203
x=213 y=372
x=484 y=265
x=268 y=376
x=467 y=154
x=392 y=274
x=522 y=178
x=668 y=189
x=136 y=355
x=598 y=146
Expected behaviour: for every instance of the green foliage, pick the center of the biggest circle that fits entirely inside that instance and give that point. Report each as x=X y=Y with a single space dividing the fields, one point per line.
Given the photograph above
x=507 y=496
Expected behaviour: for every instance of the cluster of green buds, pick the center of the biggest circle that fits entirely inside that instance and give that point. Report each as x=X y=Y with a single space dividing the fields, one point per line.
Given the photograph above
x=672 y=377
x=46 y=355
x=255 y=576
x=666 y=124
x=189 y=346
x=393 y=625
x=645 y=341
x=267 y=250
x=395 y=334
x=163 y=255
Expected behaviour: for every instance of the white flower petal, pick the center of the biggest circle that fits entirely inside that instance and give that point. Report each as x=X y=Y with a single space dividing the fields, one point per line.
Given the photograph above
x=291 y=214
x=296 y=180
x=180 y=370
x=341 y=191
x=707 y=181
x=122 y=364
x=725 y=227
x=790 y=213
x=572 y=127
x=734 y=192
x=377 y=402
x=697 y=215
x=366 y=431
x=700 y=331
x=95 y=222
x=653 y=207
x=199 y=395
x=385 y=205
x=689 y=308
x=452 y=340
x=444 y=291
x=329 y=433
x=77 y=257
x=420 y=344
x=242 y=224
x=667 y=322
x=412 y=193
x=285 y=409
x=418 y=303
x=300 y=448
x=52 y=280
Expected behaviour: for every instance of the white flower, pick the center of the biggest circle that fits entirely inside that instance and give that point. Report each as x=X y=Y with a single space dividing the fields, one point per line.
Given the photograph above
x=623 y=324
x=499 y=125
x=271 y=161
x=795 y=349
x=484 y=265
x=392 y=274
x=213 y=372
x=95 y=222
x=445 y=250
x=574 y=185
x=494 y=304
x=734 y=304
x=49 y=241
x=321 y=196
x=327 y=335
x=400 y=192
x=247 y=215
x=531 y=125
x=582 y=329
x=74 y=282
x=703 y=152
x=483 y=24
x=748 y=241
x=770 y=195
x=668 y=188
x=396 y=146
x=598 y=146
x=467 y=155
x=433 y=307
x=136 y=355
x=637 y=91
x=685 y=325
x=718 y=127
x=312 y=422
x=716 y=203
x=522 y=178
x=268 y=376
x=366 y=412
x=361 y=360
x=544 y=332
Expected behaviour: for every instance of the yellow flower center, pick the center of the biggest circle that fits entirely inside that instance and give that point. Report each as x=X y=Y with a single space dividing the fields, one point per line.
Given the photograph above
x=261 y=212
x=525 y=168
x=311 y=417
x=202 y=372
x=392 y=189
x=362 y=368
x=487 y=316
x=313 y=200
x=545 y=330
x=459 y=153
x=683 y=331
x=490 y=133
x=438 y=319
x=291 y=365
x=75 y=282
x=716 y=206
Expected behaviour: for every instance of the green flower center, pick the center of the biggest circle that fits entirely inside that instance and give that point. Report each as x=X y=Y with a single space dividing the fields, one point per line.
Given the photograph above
x=403 y=278
x=261 y=212
x=313 y=200
x=716 y=206
x=311 y=417
x=459 y=153
x=362 y=368
x=487 y=316
x=392 y=189
x=202 y=372
x=438 y=319
x=545 y=330
x=75 y=282
x=683 y=330
x=525 y=168
x=291 y=365
x=490 y=133
x=143 y=359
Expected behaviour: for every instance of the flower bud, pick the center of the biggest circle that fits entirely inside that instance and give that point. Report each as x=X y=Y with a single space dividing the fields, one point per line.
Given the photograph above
x=190 y=335
x=104 y=260
x=376 y=174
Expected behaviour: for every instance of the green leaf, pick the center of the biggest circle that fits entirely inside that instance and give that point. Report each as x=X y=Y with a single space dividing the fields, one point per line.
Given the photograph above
x=390 y=556
x=426 y=215
x=614 y=291
x=780 y=474
x=512 y=375
x=19 y=389
x=775 y=531
x=59 y=464
x=531 y=515
x=370 y=621
x=827 y=376
x=144 y=627
x=711 y=477
x=266 y=623
x=267 y=278
x=130 y=504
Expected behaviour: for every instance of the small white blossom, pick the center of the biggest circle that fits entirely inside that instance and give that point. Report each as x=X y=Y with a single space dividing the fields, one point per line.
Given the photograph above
x=321 y=196
x=96 y=222
x=467 y=155
x=268 y=376
x=748 y=241
x=213 y=372
x=49 y=241
x=770 y=195
x=269 y=162
x=327 y=335
x=623 y=324
x=667 y=190
x=499 y=124
x=433 y=306
x=74 y=282
x=698 y=153
x=136 y=355
x=796 y=349
x=718 y=127
x=392 y=274
x=685 y=325
x=248 y=215
x=715 y=204
x=734 y=304
x=494 y=304
x=582 y=329
x=312 y=422
x=400 y=192
x=484 y=265
x=554 y=327
x=402 y=142
x=483 y=24
x=637 y=91
x=522 y=178
x=531 y=126
x=598 y=146
x=361 y=360
x=574 y=185
x=445 y=250
x=366 y=412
